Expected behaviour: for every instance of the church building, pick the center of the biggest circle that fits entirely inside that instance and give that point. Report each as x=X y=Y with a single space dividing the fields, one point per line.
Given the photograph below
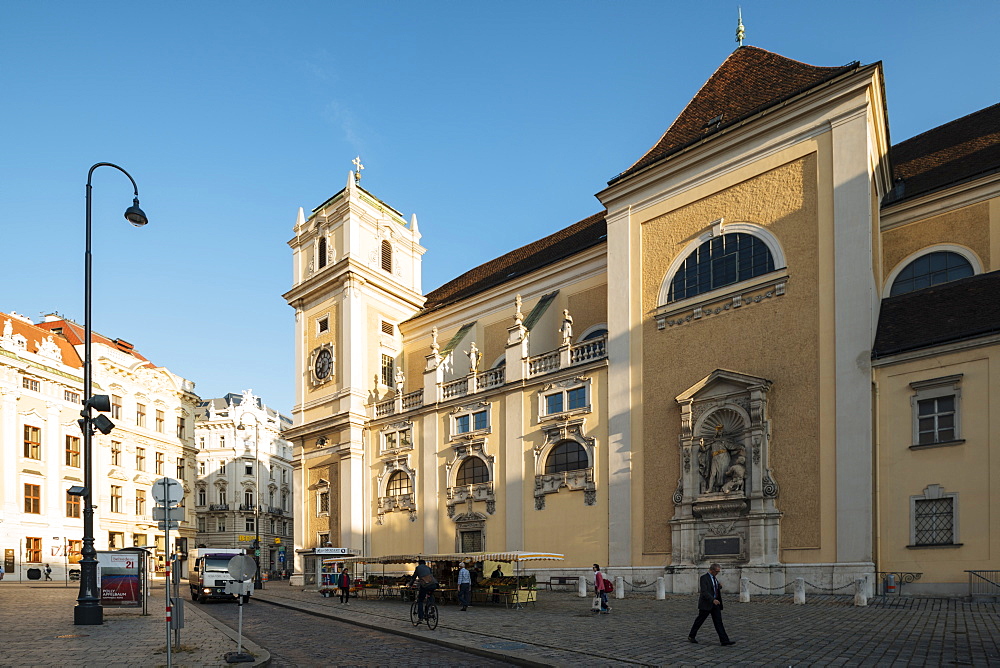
x=776 y=346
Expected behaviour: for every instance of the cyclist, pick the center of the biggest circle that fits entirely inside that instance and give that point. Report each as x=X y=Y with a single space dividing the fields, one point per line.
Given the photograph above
x=427 y=583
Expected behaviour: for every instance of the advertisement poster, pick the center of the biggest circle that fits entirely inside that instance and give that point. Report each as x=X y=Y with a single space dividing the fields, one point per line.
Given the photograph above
x=119 y=574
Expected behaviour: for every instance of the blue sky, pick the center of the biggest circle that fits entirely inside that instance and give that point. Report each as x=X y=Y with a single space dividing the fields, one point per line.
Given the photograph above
x=494 y=122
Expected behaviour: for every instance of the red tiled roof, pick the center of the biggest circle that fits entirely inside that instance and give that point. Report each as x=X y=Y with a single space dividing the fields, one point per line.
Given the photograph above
x=748 y=82
x=74 y=333
x=568 y=241
x=961 y=149
x=35 y=334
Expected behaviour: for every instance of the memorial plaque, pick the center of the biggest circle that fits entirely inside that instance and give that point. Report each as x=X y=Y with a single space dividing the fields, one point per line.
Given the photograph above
x=718 y=547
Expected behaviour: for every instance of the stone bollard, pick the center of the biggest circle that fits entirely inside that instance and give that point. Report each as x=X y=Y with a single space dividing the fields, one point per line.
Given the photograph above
x=800 y=591
x=581 y=587
x=860 y=593
x=661 y=588
x=619 y=586
x=744 y=590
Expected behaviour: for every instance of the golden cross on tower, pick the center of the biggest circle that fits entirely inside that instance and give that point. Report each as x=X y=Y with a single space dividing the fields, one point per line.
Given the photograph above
x=357 y=169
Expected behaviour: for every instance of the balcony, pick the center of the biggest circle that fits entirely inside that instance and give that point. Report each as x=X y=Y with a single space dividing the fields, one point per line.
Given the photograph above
x=249 y=507
x=218 y=506
x=274 y=510
x=565 y=357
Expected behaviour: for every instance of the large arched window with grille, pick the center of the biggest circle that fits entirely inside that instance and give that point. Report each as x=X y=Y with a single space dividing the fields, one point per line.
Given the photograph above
x=566 y=456
x=386 y=256
x=931 y=269
x=472 y=471
x=721 y=261
x=399 y=483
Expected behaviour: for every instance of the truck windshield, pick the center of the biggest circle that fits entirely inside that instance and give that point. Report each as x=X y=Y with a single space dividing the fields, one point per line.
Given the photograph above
x=216 y=563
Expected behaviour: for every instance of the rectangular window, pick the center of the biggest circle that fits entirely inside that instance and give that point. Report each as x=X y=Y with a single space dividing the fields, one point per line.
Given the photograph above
x=116 y=453
x=160 y=421
x=116 y=540
x=139 y=540
x=140 y=459
x=324 y=502
x=554 y=403
x=934 y=521
x=936 y=405
x=323 y=325
x=71 y=396
x=32 y=499
x=388 y=370
x=32 y=442
x=472 y=541
x=140 y=502
x=75 y=549
x=72 y=505
x=566 y=400
x=250 y=526
x=158 y=463
x=116 y=498
x=221 y=525
x=472 y=422
x=201 y=524
x=72 y=451
x=201 y=442
x=222 y=441
x=33 y=550
x=181 y=469
x=323 y=538
x=180 y=427
x=201 y=468
x=248 y=468
x=116 y=407
x=577 y=397
x=462 y=424
x=480 y=420
x=388 y=328
x=202 y=497
x=140 y=415
x=31 y=384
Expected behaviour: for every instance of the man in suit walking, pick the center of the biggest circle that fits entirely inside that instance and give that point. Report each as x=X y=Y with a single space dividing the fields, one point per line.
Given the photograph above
x=710 y=603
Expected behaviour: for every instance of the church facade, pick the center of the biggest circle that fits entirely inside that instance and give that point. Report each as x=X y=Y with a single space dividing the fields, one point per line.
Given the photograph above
x=770 y=349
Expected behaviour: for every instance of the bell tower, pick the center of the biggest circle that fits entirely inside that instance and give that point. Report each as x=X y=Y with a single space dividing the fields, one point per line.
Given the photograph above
x=356 y=275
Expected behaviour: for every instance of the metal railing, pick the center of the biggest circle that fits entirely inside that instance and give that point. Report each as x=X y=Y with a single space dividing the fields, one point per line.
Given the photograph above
x=902 y=577
x=218 y=506
x=984 y=583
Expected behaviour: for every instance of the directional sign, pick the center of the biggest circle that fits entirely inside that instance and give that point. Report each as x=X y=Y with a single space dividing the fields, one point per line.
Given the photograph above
x=163 y=525
x=281 y=556
x=161 y=513
x=168 y=488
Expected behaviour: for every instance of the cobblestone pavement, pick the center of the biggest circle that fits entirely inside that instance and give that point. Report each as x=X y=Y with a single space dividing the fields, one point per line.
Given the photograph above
x=295 y=638
x=769 y=631
x=36 y=629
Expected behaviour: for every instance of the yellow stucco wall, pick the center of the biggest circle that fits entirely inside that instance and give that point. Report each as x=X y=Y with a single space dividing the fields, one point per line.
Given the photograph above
x=747 y=340
x=327 y=308
x=588 y=307
x=968 y=226
x=327 y=469
x=971 y=469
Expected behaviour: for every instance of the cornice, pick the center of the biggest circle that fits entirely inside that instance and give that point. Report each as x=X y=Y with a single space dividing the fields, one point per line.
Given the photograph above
x=939 y=202
x=335 y=278
x=937 y=350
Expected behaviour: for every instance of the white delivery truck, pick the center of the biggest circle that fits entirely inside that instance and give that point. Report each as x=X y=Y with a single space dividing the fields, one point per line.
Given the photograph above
x=210 y=574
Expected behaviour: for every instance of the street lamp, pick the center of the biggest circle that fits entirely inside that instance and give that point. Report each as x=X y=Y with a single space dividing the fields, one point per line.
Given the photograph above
x=88 y=610
x=256 y=506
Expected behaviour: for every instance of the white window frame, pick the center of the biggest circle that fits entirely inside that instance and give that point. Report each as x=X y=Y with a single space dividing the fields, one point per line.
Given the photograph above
x=967 y=253
x=936 y=388
x=564 y=387
x=934 y=492
x=395 y=430
x=323 y=487
x=470 y=411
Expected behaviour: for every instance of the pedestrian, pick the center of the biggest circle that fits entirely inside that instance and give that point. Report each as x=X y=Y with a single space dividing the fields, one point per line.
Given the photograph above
x=497 y=573
x=344 y=582
x=48 y=572
x=710 y=603
x=464 y=586
x=1 y=570
x=600 y=591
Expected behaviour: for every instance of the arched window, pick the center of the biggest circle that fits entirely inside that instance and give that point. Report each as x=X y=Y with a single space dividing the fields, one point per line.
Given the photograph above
x=931 y=269
x=386 y=256
x=721 y=261
x=399 y=483
x=566 y=456
x=472 y=471
x=597 y=333
x=321 y=260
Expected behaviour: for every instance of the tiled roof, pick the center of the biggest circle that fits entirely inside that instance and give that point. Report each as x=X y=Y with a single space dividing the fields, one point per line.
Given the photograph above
x=962 y=149
x=569 y=241
x=963 y=309
x=74 y=333
x=35 y=334
x=748 y=82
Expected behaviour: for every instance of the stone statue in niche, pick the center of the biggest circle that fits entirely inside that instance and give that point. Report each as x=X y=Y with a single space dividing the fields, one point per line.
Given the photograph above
x=720 y=461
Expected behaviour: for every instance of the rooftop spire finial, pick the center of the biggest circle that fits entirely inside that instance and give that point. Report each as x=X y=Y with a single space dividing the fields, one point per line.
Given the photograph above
x=357 y=169
x=740 y=30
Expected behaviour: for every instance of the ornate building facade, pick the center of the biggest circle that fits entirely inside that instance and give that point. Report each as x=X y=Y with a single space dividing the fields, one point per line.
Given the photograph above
x=243 y=483
x=770 y=349
x=41 y=380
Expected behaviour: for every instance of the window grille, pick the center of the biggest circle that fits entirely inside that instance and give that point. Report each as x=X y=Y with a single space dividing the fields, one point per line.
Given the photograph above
x=934 y=521
x=721 y=261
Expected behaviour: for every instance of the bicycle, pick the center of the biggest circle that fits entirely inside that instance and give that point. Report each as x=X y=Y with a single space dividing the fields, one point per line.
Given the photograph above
x=431 y=616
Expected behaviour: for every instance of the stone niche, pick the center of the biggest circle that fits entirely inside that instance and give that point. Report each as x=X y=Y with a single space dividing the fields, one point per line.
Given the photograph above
x=724 y=503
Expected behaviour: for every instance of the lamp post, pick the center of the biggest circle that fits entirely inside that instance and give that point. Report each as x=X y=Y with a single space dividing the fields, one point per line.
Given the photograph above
x=256 y=506
x=88 y=610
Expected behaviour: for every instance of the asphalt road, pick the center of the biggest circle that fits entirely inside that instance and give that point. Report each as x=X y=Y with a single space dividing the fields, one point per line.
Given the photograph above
x=296 y=639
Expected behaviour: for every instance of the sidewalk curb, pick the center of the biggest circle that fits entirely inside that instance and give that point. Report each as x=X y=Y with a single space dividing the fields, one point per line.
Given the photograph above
x=263 y=656
x=406 y=633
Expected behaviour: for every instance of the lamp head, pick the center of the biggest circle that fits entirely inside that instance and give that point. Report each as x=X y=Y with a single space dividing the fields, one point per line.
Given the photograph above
x=103 y=424
x=135 y=215
x=77 y=490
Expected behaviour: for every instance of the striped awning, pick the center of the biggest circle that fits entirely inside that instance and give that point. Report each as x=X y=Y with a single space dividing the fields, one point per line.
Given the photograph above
x=515 y=556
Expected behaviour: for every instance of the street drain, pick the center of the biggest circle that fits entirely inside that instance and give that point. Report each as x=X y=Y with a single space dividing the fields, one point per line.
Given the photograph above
x=504 y=645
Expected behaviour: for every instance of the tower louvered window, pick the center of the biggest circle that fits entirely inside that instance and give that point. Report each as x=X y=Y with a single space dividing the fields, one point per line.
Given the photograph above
x=321 y=260
x=387 y=256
